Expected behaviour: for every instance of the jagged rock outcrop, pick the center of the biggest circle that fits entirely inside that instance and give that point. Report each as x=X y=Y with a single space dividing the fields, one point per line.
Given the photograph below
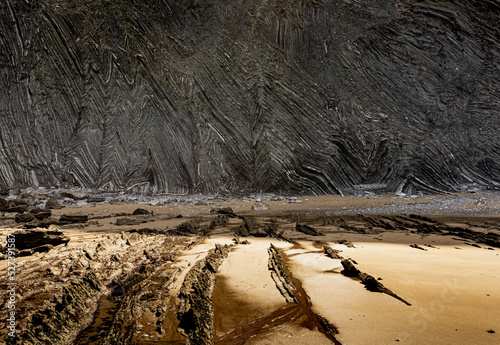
x=226 y=96
x=196 y=310
x=56 y=320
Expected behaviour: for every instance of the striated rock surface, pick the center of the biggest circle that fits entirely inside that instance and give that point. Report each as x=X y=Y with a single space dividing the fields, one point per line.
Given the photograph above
x=196 y=310
x=228 y=96
x=279 y=275
x=55 y=322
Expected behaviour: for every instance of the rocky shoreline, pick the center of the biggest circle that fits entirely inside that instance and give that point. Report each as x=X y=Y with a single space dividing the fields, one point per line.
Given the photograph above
x=142 y=274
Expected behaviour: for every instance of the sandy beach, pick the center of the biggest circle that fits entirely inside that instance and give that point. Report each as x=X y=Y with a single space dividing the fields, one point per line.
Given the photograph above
x=440 y=265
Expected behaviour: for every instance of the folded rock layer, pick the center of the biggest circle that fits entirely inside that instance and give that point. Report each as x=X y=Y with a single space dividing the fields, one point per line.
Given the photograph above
x=234 y=96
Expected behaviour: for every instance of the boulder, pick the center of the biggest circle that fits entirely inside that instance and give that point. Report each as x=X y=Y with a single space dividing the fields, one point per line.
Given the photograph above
x=129 y=221
x=28 y=239
x=24 y=218
x=191 y=226
x=73 y=218
x=224 y=210
x=40 y=213
x=140 y=211
x=53 y=204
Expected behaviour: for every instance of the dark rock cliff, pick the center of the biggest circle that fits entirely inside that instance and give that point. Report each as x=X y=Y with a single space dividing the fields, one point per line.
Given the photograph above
x=267 y=95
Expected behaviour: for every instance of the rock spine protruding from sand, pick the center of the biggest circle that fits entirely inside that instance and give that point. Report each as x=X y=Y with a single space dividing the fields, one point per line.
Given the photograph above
x=283 y=283
x=196 y=313
x=367 y=280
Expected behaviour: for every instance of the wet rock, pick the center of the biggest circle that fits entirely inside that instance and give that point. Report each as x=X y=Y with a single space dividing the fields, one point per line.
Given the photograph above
x=220 y=220
x=74 y=195
x=272 y=231
x=47 y=222
x=346 y=243
x=260 y=206
x=246 y=228
x=349 y=269
x=306 y=229
x=189 y=227
x=129 y=221
x=40 y=213
x=141 y=211
x=27 y=239
x=73 y=218
x=332 y=253
x=370 y=282
x=24 y=218
x=416 y=246
x=21 y=202
x=225 y=210
x=53 y=204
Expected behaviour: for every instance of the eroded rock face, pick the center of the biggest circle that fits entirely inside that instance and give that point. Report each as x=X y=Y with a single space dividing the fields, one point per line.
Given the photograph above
x=54 y=322
x=316 y=96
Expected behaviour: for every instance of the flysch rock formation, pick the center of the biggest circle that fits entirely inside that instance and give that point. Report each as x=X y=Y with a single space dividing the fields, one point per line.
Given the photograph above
x=235 y=96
